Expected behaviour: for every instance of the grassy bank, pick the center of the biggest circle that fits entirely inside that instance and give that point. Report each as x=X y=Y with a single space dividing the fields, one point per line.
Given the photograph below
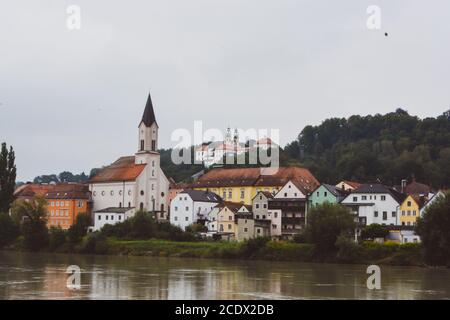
x=257 y=249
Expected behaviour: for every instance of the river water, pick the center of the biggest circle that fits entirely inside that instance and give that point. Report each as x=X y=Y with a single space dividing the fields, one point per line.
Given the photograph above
x=43 y=276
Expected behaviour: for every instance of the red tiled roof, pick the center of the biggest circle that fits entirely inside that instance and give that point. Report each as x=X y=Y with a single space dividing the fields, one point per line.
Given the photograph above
x=124 y=169
x=31 y=190
x=415 y=188
x=221 y=177
x=69 y=191
x=353 y=184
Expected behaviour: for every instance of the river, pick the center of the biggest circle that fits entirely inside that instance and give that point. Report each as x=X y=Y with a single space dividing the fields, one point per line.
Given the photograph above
x=43 y=276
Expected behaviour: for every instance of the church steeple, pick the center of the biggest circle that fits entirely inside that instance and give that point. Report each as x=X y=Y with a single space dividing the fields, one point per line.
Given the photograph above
x=148 y=117
x=148 y=129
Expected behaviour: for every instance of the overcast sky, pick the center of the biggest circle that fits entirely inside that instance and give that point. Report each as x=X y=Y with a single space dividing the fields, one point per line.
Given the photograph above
x=72 y=99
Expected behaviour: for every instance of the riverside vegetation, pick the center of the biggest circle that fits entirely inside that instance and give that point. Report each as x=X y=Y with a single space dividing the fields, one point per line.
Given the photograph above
x=328 y=238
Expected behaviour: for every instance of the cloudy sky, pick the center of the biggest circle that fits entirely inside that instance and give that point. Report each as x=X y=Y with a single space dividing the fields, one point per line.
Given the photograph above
x=72 y=99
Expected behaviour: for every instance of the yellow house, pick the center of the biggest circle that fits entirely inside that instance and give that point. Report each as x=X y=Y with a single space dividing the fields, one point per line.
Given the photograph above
x=410 y=210
x=242 y=184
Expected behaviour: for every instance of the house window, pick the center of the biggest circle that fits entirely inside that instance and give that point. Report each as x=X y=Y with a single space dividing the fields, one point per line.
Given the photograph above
x=142 y=145
x=141 y=206
x=129 y=204
x=325 y=194
x=363 y=197
x=230 y=218
x=383 y=198
x=242 y=193
x=107 y=217
x=409 y=203
x=153 y=145
x=175 y=218
x=409 y=212
x=120 y=204
x=414 y=212
x=258 y=231
x=142 y=192
x=230 y=193
x=355 y=199
x=275 y=214
x=99 y=217
x=229 y=226
x=384 y=215
x=264 y=206
x=120 y=217
x=375 y=214
x=257 y=206
x=187 y=208
x=403 y=212
x=187 y=218
x=176 y=208
x=394 y=214
x=285 y=194
x=245 y=229
x=317 y=193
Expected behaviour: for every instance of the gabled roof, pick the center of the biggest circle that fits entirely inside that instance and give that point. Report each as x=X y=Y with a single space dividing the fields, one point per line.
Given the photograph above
x=69 y=191
x=232 y=206
x=124 y=169
x=222 y=177
x=335 y=191
x=380 y=188
x=267 y=194
x=202 y=196
x=416 y=188
x=353 y=184
x=33 y=189
x=149 y=114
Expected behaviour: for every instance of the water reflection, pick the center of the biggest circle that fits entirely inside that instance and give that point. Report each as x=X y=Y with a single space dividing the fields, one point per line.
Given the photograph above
x=42 y=276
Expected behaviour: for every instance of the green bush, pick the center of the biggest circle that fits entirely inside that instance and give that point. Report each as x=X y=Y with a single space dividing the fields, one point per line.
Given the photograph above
x=348 y=250
x=35 y=234
x=57 y=238
x=9 y=231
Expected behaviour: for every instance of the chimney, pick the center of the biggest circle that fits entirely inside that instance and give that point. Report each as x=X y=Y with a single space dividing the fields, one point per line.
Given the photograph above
x=403 y=185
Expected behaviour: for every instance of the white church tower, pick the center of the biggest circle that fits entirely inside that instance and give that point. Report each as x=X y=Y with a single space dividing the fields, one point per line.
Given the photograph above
x=152 y=184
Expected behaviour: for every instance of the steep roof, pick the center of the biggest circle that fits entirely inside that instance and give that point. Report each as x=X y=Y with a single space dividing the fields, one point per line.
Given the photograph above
x=31 y=190
x=416 y=188
x=380 y=188
x=353 y=184
x=336 y=191
x=149 y=114
x=124 y=169
x=222 y=177
x=202 y=196
x=69 y=191
x=233 y=206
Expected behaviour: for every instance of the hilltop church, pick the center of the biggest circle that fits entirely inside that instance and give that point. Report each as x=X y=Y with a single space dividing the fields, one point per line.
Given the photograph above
x=132 y=183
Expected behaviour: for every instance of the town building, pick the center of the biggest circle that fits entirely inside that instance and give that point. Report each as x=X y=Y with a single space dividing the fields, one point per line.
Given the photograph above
x=245 y=226
x=111 y=216
x=438 y=195
x=290 y=201
x=190 y=206
x=226 y=219
x=347 y=185
x=374 y=203
x=134 y=182
x=30 y=190
x=242 y=184
x=327 y=193
x=65 y=202
x=410 y=210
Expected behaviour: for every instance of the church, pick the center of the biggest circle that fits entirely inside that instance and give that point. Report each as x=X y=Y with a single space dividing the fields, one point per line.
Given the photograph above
x=132 y=183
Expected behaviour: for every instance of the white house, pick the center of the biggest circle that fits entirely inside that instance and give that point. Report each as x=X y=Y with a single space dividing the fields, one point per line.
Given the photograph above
x=212 y=219
x=189 y=206
x=111 y=216
x=374 y=203
x=435 y=197
x=134 y=181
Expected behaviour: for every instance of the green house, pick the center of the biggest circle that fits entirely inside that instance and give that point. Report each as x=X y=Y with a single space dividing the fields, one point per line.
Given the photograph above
x=326 y=193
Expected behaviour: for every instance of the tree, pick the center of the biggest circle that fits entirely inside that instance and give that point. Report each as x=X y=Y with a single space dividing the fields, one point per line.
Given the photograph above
x=9 y=231
x=434 y=229
x=326 y=223
x=373 y=231
x=196 y=228
x=32 y=215
x=7 y=177
x=79 y=229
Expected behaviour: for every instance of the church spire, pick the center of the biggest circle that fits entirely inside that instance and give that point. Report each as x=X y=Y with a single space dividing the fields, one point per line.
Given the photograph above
x=149 y=114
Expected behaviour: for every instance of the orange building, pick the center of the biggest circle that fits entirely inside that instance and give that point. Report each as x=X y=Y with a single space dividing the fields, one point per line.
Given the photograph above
x=65 y=202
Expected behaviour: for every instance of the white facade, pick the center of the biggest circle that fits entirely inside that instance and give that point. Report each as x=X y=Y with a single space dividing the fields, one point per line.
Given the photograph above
x=136 y=181
x=184 y=211
x=103 y=218
x=290 y=190
x=380 y=208
x=431 y=201
x=212 y=219
x=275 y=222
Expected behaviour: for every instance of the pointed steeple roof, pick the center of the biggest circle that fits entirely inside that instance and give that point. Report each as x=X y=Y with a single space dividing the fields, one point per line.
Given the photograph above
x=149 y=114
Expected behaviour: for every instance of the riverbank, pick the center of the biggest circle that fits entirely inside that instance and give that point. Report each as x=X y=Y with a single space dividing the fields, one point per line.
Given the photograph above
x=256 y=249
